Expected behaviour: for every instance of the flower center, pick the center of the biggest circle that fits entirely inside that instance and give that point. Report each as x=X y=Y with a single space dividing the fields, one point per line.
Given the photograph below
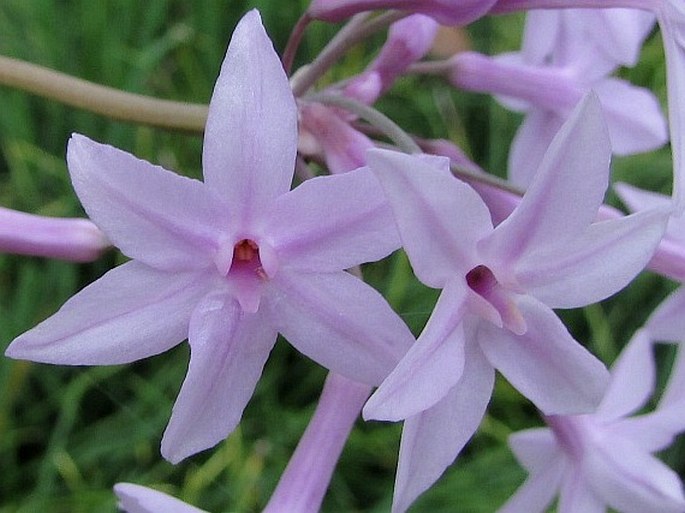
x=483 y=282
x=246 y=259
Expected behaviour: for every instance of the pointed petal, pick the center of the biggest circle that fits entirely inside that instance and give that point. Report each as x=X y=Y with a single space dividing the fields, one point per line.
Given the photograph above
x=650 y=433
x=576 y=496
x=633 y=481
x=139 y=499
x=634 y=117
x=530 y=144
x=251 y=133
x=536 y=494
x=601 y=262
x=339 y=322
x=331 y=223
x=228 y=349
x=567 y=190
x=535 y=449
x=431 y=367
x=440 y=218
x=132 y=312
x=673 y=395
x=163 y=219
x=432 y=439
x=633 y=378
x=546 y=364
x=667 y=322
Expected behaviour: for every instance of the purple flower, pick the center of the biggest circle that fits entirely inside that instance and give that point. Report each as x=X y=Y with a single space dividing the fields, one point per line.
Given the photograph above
x=447 y=12
x=230 y=261
x=499 y=286
x=604 y=459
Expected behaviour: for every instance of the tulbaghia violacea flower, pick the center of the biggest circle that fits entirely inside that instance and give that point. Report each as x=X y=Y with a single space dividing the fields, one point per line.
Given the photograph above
x=77 y=240
x=499 y=286
x=604 y=459
x=230 y=261
x=548 y=89
x=446 y=12
x=671 y=17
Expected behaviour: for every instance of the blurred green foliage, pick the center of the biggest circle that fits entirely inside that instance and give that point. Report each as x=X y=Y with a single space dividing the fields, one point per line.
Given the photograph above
x=67 y=435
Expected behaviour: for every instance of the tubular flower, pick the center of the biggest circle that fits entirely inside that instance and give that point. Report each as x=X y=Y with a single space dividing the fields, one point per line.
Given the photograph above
x=230 y=261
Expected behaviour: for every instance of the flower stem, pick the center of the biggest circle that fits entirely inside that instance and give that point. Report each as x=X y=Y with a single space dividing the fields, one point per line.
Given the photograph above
x=107 y=101
x=386 y=125
x=356 y=30
x=294 y=42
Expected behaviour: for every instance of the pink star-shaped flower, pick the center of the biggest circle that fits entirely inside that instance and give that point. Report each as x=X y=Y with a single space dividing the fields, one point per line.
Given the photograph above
x=230 y=261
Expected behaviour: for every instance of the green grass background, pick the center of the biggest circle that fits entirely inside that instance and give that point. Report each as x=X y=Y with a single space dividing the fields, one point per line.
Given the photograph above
x=67 y=435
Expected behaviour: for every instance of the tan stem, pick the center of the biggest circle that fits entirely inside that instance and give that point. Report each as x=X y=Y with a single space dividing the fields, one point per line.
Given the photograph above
x=107 y=101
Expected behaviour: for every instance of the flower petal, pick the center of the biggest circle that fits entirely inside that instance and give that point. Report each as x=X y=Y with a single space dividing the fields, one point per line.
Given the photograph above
x=601 y=262
x=667 y=322
x=530 y=144
x=331 y=223
x=439 y=217
x=339 y=322
x=563 y=198
x=632 y=481
x=132 y=312
x=634 y=117
x=535 y=448
x=546 y=364
x=432 y=439
x=633 y=378
x=431 y=367
x=228 y=350
x=163 y=219
x=251 y=133
x=139 y=499
x=576 y=496
x=536 y=494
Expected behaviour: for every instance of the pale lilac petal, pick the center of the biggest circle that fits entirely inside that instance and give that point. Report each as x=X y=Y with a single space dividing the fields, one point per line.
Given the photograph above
x=140 y=499
x=132 y=312
x=652 y=432
x=332 y=223
x=633 y=115
x=432 y=439
x=77 y=240
x=339 y=322
x=535 y=449
x=251 y=133
x=576 y=496
x=431 y=367
x=305 y=480
x=633 y=377
x=674 y=394
x=566 y=192
x=530 y=144
x=228 y=350
x=667 y=322
x=601 y=261
x=672 y=25
x=447 y=12
x=537 y=493
x=163 y=219
x=631 y=480
x=440 y=218
x=546 y=364
x=637 y=199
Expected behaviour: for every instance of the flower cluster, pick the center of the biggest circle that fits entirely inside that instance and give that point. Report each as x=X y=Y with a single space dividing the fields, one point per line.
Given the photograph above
x=230 y=262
